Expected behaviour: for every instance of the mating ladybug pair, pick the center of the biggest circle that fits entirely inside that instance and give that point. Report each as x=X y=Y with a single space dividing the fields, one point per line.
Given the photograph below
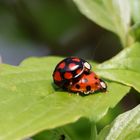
x=74 y=74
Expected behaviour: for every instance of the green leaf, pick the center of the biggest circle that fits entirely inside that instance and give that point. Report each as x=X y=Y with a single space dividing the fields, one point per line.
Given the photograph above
x=135 y=10
x=79 y=130
x=124 y=67
x=113 y=15
x=135 y=31
x=125 y=127
x=53 y=18
x=29 y=103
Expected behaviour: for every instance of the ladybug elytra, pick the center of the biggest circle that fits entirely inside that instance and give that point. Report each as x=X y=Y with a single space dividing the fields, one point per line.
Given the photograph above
x=88 y=83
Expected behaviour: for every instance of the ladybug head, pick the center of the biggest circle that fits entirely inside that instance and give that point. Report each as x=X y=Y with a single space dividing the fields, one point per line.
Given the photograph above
x=87 y=65
x=103 y=85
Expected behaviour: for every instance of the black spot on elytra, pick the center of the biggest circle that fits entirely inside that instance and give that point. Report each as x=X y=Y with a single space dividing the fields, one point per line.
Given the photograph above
x=95 y=77
x=77 y=86
x=86 y=72
x=88 y=88
x=96 y=83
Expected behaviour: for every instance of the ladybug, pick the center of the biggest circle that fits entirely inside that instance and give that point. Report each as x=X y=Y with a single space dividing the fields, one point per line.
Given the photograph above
x=88 y=83
x=68 y=70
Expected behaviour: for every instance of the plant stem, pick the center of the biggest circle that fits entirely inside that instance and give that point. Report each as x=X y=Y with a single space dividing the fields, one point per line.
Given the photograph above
x=93 y=131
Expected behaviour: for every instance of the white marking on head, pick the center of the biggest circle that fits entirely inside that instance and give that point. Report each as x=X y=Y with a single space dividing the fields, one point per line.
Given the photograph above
x=103 y=84
x=87 y=65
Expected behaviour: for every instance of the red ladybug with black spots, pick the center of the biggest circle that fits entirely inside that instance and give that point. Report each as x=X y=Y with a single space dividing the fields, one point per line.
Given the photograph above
x=88 y=83
x=68 y=70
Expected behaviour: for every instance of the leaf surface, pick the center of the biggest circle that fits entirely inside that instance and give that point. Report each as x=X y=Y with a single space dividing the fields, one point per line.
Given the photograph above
x=113 y=15
x=29 y=103
x=135 y=10
x=125 y=127
x=124 y=67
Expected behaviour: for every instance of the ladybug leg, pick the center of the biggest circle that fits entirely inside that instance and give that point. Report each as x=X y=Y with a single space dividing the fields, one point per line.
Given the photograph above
x=86 y=92
x=70 y=94
x=69 y=87
x=106 y=91
x=77 y=93
x=92 y=91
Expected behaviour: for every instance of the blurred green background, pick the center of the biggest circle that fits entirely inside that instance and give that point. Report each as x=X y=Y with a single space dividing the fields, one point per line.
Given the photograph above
x=51 y=27
x=56 y=27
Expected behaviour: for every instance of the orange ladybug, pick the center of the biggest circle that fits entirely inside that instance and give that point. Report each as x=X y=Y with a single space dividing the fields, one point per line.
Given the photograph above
x=88 y=83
